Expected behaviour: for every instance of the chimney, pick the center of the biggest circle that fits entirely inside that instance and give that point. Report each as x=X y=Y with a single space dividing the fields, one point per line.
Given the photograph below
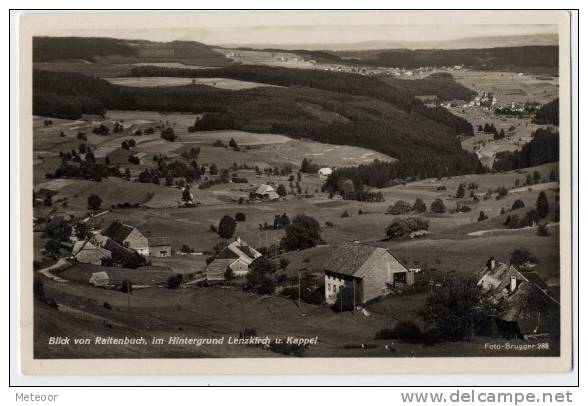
x=491 y=263
x=513 y=283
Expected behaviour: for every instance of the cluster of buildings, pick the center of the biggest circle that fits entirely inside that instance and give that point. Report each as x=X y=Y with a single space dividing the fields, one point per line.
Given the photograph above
x=118 y=240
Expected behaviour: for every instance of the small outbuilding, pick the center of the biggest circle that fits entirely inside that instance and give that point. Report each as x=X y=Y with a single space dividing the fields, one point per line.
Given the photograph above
x=160 y=247
x=324 y=173
x=99 y=279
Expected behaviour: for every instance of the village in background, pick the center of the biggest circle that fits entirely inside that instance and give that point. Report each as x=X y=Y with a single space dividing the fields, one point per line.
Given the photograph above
x=392 y=203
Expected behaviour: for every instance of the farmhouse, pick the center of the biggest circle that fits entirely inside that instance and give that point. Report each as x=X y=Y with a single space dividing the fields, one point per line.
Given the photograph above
x=324 y=173
x=266 y=192
x=369 y=271
x=529 y=310
x=237 y=257
x=99 y=279
x=87 y=252
x=128 y=236
x=159 y=247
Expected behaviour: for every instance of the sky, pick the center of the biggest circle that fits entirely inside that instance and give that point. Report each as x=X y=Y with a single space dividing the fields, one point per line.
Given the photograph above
x=294 y=28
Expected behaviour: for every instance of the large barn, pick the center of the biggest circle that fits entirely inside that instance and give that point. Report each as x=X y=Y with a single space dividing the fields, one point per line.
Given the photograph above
x=128 y=236
x=368 y=271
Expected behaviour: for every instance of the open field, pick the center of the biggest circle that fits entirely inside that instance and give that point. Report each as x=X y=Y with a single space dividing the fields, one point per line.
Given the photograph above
x=456 y=242
x=195 y=313
x=518 y=132
x=282 y=59
x=221 y=83
x=510 y=86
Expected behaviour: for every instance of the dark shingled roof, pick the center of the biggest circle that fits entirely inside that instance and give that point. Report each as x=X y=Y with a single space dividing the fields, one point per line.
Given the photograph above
x=118 y=231
x=349 y=258
x=534 y=278
x=227 y=254
x=245 y=250
x=158 y=241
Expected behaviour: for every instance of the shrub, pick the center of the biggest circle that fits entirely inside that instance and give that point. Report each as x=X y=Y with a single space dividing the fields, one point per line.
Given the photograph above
x=284 y=262
x=438 y=206
x=542 y=230
x=400 y=207
x=329 y=224
x=107 y=306
x=38 y=288
x=518 y=204
x=240 y=216
x=419 y=205
x=402 y=227
x=345 y=214
x=441 y=187
x=226 y=226
x=174 y=281
x=407 y=331
x=520 y=256
x=303 y=232
x=482 y=216
x=168 y=134
x=94 y=201
x=460 y=191
x=502 y=192
x=542 y=205
x=261 y=277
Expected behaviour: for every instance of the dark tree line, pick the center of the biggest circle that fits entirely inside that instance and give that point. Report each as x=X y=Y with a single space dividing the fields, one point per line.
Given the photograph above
x=548 y=113
x=371 y=124
x=542 y=149
x=399 y=94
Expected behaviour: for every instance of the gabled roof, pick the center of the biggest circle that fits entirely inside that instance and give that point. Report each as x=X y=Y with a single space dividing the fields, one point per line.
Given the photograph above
x=118 y=231
x=159 y=241
x=99 y=276
x=227 y=253
x=354 y=259
x=525 y=298
x=118 y=249
x=86 y=246
x=264 y=189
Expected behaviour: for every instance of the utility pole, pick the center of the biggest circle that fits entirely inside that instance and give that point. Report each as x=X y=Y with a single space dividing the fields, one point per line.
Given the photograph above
x=342 y=288
x=353 y=281
x=299 y=302
x=128 y=296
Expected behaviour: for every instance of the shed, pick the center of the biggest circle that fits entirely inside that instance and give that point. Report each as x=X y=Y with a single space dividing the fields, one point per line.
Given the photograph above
x=160 y=247
x=99 y=279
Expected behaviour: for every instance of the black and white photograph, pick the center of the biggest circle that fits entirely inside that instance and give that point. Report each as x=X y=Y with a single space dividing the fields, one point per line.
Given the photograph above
x=298 y=185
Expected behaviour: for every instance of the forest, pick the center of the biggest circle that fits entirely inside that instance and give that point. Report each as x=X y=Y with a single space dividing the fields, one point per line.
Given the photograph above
x=546 y=57
x=542 y=149
x=48 y=49
x=400 y=95
x=441 y=84
x=548 y=113
x=423 y=146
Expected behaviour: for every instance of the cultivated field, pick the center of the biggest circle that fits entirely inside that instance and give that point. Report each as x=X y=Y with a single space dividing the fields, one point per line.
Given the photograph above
x=510 y=86
x=221 y=83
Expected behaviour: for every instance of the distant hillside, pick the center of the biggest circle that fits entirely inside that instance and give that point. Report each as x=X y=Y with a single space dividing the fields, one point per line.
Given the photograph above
x=398 y=93
x=536 y=57
x=442 y=85
x=542 y=149
x=51 y=49
x=105 y=50
x=297 y=111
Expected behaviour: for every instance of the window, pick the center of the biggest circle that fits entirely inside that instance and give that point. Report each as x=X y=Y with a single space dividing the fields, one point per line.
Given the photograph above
x=400 y=277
